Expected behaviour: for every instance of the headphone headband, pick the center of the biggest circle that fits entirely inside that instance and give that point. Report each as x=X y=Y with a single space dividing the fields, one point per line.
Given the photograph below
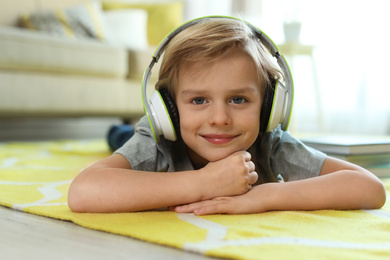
x=282 y=98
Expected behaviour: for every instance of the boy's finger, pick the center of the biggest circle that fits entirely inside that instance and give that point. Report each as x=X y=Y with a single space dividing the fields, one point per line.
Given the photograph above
x=214 y=207
x=253 y=176
x=247 y=156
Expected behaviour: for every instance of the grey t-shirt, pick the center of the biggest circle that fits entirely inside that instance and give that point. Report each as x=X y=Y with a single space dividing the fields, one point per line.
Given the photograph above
x=276 y=153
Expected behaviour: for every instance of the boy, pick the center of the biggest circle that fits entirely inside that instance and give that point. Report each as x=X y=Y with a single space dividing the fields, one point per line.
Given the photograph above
x=217 y=72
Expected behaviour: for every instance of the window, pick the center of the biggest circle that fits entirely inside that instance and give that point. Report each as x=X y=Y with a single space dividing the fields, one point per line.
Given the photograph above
x=351 y=58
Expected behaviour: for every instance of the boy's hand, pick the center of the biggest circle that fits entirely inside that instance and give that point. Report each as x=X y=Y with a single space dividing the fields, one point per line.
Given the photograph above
x=233 y=175
x=242 y=204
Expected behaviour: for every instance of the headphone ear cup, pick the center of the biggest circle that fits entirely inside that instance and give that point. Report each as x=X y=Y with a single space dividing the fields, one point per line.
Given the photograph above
x=172 y=109
x=266 y=107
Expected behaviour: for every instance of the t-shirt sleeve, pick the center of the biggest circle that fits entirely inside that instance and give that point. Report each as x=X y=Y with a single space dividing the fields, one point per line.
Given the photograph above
x=290 y=158
x=141 y=150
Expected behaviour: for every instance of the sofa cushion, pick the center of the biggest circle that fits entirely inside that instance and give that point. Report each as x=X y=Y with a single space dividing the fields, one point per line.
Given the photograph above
x=37 y=94
x=44 y=94
x=29 y=50
x=80 y=21
x=163 y=16
x=128 y=28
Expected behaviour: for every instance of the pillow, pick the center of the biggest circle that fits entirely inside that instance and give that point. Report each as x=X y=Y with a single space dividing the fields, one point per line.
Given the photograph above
x=79 y=21
x=163 y=17
x=128 y=28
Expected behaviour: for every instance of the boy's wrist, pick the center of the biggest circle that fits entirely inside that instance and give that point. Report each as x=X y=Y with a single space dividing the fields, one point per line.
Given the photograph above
x=203 y=182
x=267 y=196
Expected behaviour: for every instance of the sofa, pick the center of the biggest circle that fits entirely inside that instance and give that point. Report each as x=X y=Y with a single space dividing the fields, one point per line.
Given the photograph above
x=59 y=73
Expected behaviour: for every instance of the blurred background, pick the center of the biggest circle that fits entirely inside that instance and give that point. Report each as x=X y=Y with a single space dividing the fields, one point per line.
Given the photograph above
x=340 y=84
x=337 y=51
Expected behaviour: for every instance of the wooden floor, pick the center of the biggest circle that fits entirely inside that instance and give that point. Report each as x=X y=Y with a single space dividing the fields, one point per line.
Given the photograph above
x=27 y=236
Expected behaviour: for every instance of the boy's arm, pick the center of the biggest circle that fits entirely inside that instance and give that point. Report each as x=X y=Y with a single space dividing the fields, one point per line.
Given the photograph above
x=341 y=185
x=110 y=185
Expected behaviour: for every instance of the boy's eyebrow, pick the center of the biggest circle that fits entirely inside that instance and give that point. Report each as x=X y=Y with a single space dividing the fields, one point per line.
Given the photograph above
x=201 y=92
x=245 y=89
x=192 y=92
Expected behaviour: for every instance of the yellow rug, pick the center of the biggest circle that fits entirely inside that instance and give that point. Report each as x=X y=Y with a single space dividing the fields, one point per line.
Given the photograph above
x=34 y=177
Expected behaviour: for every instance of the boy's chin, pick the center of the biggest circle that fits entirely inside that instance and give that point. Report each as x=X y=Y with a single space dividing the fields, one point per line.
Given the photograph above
x=200 y=160
x=214 y=157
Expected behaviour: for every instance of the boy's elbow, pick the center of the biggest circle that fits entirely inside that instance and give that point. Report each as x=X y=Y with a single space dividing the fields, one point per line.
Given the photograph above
x=381 y=195
x=376 y=196
x=75 y=207
x=77 y=200
x=74 y=199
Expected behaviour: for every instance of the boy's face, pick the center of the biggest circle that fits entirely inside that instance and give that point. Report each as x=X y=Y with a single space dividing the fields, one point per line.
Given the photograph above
x=219 y=105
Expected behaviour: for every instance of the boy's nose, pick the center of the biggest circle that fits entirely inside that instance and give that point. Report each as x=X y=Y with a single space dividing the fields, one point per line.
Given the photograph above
x=219 y=115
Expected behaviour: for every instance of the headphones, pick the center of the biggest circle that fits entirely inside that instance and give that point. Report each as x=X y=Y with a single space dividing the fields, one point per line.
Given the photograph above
x=162 y=112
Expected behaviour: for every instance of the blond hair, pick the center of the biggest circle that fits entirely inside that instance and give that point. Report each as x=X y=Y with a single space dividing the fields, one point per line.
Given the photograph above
x=210 y=39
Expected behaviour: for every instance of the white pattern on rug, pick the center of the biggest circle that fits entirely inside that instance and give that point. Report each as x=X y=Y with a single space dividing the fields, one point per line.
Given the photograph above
x=216 y=239
x=48 y=190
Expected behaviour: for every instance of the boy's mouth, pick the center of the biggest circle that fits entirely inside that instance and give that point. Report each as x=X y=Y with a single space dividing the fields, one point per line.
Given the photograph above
x=219 y=139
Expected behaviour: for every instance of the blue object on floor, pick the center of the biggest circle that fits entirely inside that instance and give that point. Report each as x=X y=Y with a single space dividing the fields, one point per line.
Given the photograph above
x=118 y=135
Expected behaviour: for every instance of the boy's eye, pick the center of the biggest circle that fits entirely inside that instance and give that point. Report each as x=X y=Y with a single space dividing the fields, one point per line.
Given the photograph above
x=198 y=101
x=238 y=100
